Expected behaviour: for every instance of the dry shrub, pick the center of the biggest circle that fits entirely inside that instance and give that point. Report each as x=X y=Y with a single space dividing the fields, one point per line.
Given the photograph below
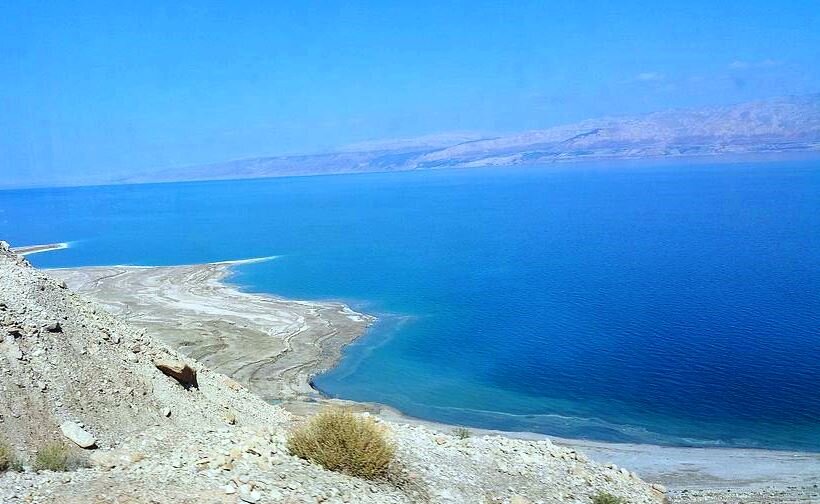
x=343 y=442
x=461 y=433
x=607 y=498
x=8 y=459
x=55 y=456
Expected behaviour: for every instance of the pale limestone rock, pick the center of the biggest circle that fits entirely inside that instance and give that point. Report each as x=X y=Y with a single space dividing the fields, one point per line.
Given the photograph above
x=77 y=434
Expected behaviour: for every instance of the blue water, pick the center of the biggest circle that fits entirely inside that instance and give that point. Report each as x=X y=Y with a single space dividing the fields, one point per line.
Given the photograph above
x=672 y=305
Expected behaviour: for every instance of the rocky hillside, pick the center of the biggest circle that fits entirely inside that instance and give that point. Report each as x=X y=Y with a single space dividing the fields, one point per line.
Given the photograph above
x=153 y=427
x=785 y=125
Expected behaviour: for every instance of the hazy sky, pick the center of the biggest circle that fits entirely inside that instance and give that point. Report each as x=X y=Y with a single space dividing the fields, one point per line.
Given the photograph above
x=93 y=89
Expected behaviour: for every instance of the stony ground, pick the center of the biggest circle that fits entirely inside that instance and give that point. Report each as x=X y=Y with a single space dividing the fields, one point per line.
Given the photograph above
x=792 y=495
x=65 y=361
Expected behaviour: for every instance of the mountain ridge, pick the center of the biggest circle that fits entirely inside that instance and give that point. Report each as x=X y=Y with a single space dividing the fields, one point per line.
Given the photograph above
x=783 y=125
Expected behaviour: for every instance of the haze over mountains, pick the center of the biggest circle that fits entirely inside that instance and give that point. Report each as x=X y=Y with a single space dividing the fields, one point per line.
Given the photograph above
x=777 y=126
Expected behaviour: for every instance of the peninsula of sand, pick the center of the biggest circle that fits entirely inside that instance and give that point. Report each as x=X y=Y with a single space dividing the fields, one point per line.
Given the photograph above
x=270 y=344
x=274 y=346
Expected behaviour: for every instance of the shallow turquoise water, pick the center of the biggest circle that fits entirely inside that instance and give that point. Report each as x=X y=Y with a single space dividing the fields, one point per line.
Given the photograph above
x=675 y=305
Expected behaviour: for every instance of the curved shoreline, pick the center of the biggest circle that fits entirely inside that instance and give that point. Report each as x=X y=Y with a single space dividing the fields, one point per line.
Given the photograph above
x=272 y=345
x=276 y=345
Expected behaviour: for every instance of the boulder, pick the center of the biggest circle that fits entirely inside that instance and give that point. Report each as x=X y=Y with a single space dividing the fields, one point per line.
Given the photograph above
x=78 y=435
x=180 y=371
x=54 y=327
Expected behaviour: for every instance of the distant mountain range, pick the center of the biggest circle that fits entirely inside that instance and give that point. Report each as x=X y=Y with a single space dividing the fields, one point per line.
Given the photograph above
x=777 y=126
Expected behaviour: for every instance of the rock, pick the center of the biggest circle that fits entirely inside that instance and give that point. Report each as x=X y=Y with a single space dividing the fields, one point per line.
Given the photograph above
x=659 y=488
x=233 y=384
x=76 y=434
x=230 y=418
x=166 y=412
x=518 y=499
x=181 y=372
x=104 y=460
x=246 y=494
x=54 y=327
x=14 y=350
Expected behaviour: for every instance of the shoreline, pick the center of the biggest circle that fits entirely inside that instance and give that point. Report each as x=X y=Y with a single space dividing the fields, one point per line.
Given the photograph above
x=36 y=249
x=272 y=345
x=681 y=468
x=275 y=346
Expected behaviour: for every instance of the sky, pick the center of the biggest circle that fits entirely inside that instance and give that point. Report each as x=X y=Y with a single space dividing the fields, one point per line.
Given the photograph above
x=97 y=90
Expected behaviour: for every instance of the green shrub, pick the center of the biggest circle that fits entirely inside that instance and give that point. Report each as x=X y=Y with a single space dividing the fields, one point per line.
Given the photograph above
x=607 y=498
x=8 y=459
x=340 y=441
x=461 y=432
x=57 y=457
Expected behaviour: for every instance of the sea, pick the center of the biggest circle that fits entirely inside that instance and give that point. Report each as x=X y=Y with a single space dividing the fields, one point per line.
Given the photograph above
x=672 y=305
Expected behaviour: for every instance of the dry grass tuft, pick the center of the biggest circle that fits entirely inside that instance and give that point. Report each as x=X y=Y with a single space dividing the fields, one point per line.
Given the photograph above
x=343 y=442
x=607 y=498
x=461 y=433
x=56 y=456
x=8 y=459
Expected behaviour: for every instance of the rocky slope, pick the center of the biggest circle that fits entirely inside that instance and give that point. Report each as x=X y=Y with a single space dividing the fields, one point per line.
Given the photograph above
x=65 y=361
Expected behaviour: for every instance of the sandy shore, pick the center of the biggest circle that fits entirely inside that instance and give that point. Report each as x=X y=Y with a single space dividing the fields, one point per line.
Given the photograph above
x=275 y=345
x=270 y=344
x=36 y=249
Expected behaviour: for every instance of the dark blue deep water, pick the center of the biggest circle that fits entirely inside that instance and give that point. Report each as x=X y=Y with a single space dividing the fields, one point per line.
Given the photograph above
x=673 y=305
